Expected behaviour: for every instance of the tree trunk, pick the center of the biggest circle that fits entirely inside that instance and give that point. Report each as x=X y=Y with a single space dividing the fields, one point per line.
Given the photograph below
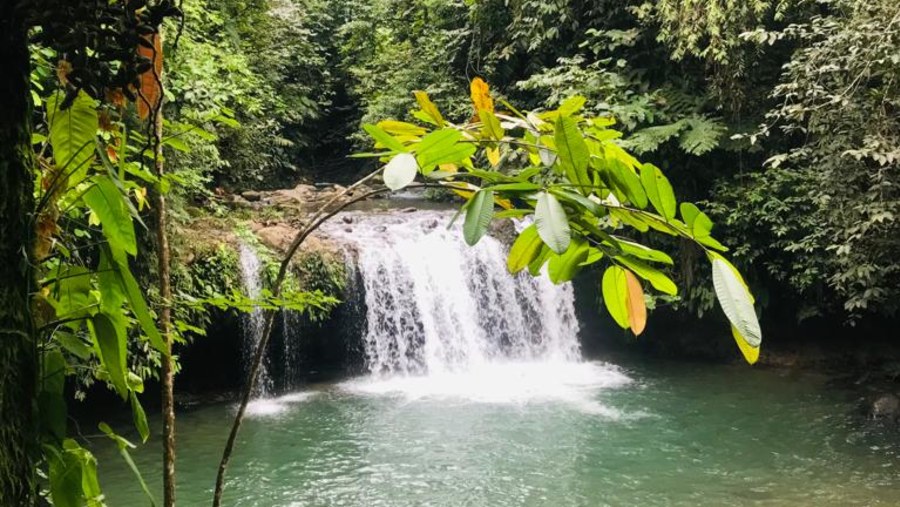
x=18 y=447
x=165 y=315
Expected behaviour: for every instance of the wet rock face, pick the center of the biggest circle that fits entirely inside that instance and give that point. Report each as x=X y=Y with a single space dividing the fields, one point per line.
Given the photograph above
x=886 y=406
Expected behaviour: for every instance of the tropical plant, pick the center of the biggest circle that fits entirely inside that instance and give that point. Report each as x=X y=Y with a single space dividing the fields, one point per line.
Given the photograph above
x=585 y=195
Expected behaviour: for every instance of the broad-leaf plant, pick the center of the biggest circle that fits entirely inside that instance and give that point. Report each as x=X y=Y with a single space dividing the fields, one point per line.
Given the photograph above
x=583 y=196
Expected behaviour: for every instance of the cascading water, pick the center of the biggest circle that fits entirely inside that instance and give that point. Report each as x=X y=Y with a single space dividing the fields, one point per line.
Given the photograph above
x=253 y=322
x=435 y=305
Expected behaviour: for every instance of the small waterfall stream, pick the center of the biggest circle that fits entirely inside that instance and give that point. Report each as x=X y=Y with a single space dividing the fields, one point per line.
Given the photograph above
x=435 y=305
x=253 y=322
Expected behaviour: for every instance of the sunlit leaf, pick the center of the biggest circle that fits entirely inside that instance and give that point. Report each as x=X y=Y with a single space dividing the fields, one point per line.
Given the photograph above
x=72 y=133
x=524 y=249
x=573 y=153
x=106 y=200
x=384 y=139
x=736 y=301
x=615 y=295
x=637 y=308
x=481 y=96
x=552 y=223
x=659 y=191
x=479 y=213
x=429 y=108
x=561 y=268
x=400 y=171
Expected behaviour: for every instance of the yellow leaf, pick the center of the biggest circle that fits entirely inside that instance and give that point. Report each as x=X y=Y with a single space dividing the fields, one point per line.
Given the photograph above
x=493 y=156
x=429 y=108
x=637 y=308
x=93 y=219
x=481 y=96
x=751 y=354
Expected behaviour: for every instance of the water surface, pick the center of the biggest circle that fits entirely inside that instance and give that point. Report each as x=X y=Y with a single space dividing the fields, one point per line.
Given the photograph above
x=539 y=434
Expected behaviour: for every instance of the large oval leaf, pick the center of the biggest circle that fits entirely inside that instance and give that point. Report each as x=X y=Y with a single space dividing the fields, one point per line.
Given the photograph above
x=552 y=223
x=562 y=268
x=106 y=200
x=574 y=156
x=751 y=354
x=524 y=249
x=400 y=171
x=72 y=134
x=736 y=301
x=659 y=191
x=637 y=307
x=109 y=339
x=615 y=295
x=479 y=213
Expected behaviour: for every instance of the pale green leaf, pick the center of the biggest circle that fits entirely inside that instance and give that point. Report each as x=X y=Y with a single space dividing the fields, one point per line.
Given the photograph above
x=736 y=301
x=552 y=223
x=479 y=213
x=400 y=171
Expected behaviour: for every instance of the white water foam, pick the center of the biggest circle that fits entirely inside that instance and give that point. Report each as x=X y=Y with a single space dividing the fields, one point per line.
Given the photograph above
x=274 y=406
x=575 y=384
x=446 y=320
x=253 y=322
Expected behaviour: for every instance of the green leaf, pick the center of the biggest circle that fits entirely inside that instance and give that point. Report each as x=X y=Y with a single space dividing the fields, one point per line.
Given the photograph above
x=552 y=223
x=123 y=445
x=572 y=105
x=478 y=216
x=579 y=200
x=643 y=252
x=524 y=249
x=72 y=133
x=657 y=278
x=736 y=301
x=615 y=295
x=442 y=147
x=562 y=268
x=400 y=171
x=429 y=108
x=109 y=339
x=139 y=307
x=491 y=125
x=139 y=417
x=659 y=191
x=628 y=182
x=534 y=267
x=384 y=139
x=573 y=153
x=522 y=186
x=51 y=402
x=106 y=200
x=73 y=476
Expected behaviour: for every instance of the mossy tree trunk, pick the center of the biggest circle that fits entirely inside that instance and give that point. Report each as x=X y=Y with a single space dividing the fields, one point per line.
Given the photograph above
x=17 y=342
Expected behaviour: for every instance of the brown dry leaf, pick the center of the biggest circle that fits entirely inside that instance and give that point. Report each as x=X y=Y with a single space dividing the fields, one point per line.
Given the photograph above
x=150 y=92
x=637 y=308
x=63 y=68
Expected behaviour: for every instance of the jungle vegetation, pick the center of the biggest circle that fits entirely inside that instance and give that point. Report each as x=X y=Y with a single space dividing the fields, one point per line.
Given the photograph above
x=779 y=118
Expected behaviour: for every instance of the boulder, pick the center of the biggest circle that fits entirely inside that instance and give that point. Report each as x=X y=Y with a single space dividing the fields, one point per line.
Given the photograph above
x=277 y=237
x=886 y=406
x=252 y=195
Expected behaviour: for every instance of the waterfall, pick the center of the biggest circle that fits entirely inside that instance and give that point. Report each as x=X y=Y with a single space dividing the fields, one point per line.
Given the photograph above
x=253 y=322
x=435 y=305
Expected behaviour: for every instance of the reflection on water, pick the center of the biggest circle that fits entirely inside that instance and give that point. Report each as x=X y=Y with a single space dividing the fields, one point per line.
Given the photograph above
x=664 y=435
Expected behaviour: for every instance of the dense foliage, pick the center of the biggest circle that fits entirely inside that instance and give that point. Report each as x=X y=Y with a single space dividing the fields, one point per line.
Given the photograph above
x=780 y=112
